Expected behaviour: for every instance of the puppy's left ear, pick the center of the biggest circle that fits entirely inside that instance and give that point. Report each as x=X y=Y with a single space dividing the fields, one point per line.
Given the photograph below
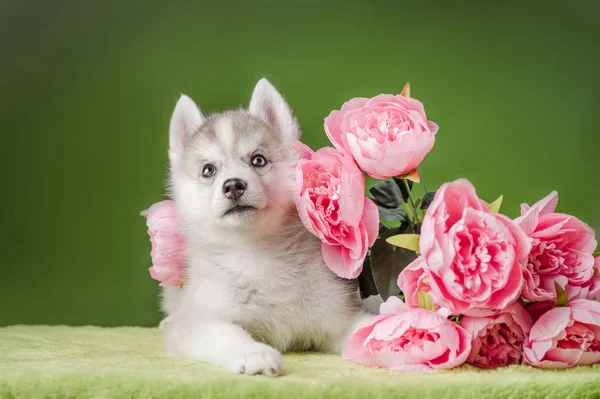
x=186 y=118
x=269 y=105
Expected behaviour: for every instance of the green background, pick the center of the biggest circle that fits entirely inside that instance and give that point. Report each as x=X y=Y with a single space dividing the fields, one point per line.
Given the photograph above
x=87 y=89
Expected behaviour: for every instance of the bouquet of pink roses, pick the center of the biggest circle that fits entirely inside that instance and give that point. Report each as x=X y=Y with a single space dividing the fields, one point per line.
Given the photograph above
x=477 y=286
x=461 y=282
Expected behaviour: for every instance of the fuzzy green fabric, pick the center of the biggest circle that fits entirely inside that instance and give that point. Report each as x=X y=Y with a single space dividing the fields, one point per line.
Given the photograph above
x=94 y=362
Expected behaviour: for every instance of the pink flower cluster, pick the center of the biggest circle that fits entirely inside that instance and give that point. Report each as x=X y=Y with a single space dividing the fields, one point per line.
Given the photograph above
x=489 y=272
x=384 y=136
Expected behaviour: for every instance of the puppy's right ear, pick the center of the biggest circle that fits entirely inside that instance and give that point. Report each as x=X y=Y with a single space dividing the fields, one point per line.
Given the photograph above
x=186 y=118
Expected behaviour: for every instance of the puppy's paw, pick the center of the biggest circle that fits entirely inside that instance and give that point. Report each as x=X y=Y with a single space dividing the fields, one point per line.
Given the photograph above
x=257 y=358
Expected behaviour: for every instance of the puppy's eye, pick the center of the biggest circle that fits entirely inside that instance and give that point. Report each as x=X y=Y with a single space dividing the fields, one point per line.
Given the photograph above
x=209 y=170
x=259 y=161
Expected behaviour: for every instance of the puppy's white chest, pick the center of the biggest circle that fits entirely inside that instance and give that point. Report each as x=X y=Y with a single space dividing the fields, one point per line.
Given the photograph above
x=246 y=288
x=265 y=297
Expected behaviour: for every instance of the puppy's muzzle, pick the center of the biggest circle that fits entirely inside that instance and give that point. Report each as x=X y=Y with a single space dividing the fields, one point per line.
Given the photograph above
x=234 y=188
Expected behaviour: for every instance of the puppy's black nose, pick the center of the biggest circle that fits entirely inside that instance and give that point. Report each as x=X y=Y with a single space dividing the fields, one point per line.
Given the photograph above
x=234 y=188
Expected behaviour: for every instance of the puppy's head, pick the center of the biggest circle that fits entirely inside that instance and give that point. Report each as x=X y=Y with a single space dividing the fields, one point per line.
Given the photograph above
x=235 y=169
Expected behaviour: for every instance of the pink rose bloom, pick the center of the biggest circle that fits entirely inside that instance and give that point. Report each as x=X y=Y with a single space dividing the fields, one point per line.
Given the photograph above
x=561 y=252
x=408 y=339
x=331 y=202
x=387 y=135
x=414 y=278
x=498 y=340
x=566 y=336
x=168 y=245
x=474 y=257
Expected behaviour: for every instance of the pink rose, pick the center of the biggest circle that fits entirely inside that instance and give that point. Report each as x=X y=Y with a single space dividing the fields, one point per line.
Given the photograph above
x=168 y=245
x=566 y=336
x=474 y=257
x=387 y=135
x=498 y=340
x=561 y=252
x=414 y=278
x=408 y=339
x=331 y=202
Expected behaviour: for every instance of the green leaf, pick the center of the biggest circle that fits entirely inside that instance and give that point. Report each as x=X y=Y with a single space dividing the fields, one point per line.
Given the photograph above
x=387 y=194
x=413 y=176
x=417 y=212
x=408 y=210
x=417 y=203
x=406 y=90
x=402 y=186
x=387 y=261
x=561 y=295
x=387 y=224
x=427 y=198
x=406 y=241
x=425 y=301
x=495 y=206
x=366 y=282
x=393 y=215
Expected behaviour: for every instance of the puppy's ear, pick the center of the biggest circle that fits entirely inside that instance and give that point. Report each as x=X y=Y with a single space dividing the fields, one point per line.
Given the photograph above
x=269 y=105
x=186 y=118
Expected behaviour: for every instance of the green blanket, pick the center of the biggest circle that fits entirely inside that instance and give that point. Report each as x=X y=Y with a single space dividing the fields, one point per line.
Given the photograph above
x=94 y=362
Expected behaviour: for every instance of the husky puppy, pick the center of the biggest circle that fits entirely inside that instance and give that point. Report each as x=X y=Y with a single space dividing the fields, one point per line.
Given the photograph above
x=256 y=283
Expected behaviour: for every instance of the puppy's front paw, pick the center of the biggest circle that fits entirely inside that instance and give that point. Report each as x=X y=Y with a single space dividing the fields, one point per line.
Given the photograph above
x=257 y=359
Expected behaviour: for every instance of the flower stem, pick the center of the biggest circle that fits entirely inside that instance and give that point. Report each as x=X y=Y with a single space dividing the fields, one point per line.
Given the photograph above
x=412 y=201
x=409 y=212
x=422 y=181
